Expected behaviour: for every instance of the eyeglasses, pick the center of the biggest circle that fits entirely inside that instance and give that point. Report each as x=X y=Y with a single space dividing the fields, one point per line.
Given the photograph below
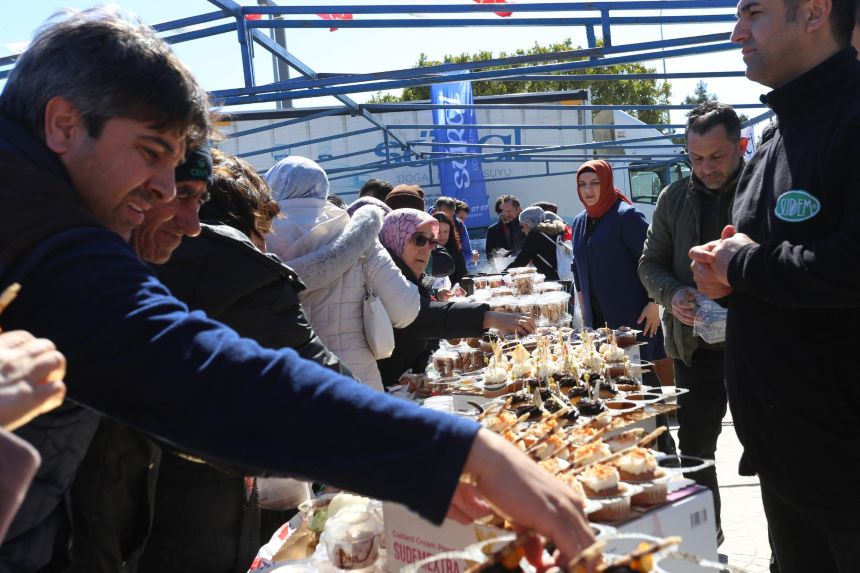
x=422 y=240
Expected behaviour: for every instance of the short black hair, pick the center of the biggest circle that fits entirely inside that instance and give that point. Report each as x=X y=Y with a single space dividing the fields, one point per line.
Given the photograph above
x=462 y=206
x=509 y=198
x=710 y=114
x=447 y=202
x=499 y=202
x=376 y=188
x=106 y=64
x=843 y=18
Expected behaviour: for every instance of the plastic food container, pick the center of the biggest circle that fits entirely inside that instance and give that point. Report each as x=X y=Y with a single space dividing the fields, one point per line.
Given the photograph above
x=444 y=361
x=352 y=539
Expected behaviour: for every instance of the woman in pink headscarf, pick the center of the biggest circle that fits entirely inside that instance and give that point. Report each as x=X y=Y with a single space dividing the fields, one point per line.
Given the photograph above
x=410 y=235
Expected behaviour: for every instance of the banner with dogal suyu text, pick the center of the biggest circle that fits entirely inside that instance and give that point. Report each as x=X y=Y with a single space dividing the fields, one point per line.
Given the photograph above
x=461 y=178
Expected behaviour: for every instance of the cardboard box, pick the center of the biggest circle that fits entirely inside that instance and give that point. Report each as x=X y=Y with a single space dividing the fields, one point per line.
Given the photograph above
x=690 y=515
x=409 y=538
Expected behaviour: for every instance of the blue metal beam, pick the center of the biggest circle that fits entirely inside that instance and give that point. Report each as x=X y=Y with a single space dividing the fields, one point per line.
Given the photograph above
x=492 y=126
x=516 y=23
x=202 y=33
x=497 y=74
x=273 y=126
x=231 y=8
x=548 y=107
x=191 y=21
x=303 y=69
x=637 y=5
x=567 y=55
x=306 y=142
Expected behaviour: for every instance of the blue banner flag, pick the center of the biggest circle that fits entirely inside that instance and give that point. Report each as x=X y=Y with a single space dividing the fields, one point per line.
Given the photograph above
x=460 y=178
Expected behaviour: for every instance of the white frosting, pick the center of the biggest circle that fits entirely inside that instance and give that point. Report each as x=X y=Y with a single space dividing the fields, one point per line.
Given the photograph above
x=495 y=375
x=591 y=453
x=621 y=442
x=521 y=370
x=638 y=461
x=612 y=353
x=600 y=477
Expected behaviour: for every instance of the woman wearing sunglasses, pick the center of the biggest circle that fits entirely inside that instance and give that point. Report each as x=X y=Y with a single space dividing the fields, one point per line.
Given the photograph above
x=410 y=235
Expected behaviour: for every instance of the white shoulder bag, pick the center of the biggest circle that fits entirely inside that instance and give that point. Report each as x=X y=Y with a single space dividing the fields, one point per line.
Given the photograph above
x=377 y=324
x=563 y=257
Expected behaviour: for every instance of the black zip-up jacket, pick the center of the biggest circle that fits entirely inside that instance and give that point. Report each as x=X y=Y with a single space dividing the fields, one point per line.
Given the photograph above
x=435 y=320
x=791 y=373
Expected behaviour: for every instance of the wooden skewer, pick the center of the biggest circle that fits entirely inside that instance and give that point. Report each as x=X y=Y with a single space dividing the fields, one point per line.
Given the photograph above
x=9 y=295
x=502 y=408
x=515 y=423
x=589 y=554
x=640 y=553
x=647 y=439
x=539 y=442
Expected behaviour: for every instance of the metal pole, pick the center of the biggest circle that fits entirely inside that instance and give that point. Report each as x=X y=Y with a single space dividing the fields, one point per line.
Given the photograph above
x=280 y=68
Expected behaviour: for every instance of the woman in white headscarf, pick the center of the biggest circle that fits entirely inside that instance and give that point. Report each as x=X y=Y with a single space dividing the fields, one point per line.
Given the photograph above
x=326 y=248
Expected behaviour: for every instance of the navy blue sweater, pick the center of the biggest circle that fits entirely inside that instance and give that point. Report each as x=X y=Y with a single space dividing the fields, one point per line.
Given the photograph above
x=137 y=354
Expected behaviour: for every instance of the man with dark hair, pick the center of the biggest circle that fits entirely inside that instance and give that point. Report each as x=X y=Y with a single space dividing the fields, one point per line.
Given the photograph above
x=76 y=180
x=505 y=233
x=689 y=212
x=376 y=188
x=462 y=210
x=790 y=264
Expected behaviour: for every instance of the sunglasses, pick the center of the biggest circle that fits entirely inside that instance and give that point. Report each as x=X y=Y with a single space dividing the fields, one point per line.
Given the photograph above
x=422 y=240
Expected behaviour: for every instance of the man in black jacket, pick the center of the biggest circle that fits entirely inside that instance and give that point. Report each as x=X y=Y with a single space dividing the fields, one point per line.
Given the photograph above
x=505 y=233
x=791 y=264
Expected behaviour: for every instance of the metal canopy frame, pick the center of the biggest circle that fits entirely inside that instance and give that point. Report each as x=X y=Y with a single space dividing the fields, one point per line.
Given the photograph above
x=605 y=17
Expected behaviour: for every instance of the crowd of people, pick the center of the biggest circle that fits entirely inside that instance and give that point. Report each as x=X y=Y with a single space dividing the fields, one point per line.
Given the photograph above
x=199 y=329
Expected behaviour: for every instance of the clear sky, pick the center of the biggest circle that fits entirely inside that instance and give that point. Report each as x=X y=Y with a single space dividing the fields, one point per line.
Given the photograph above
x=217 y=62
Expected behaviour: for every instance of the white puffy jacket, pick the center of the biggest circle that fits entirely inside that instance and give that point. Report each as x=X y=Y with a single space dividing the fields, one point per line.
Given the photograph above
x=323 y=245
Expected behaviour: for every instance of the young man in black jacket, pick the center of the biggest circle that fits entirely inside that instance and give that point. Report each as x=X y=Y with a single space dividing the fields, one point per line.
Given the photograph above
x=791 y=264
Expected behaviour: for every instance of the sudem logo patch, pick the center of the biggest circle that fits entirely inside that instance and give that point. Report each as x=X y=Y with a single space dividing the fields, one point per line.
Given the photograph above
x=795 y=206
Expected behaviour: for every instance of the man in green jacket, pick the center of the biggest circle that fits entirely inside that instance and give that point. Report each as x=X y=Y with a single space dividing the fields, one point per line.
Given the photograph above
x=689 y=212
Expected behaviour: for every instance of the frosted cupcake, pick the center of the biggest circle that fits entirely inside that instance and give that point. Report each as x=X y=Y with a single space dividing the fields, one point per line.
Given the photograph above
x=601 y=482
x=639 y=466
x=590 y=453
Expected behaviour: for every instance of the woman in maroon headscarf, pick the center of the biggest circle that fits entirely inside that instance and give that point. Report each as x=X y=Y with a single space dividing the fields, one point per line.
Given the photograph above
x=607 y=243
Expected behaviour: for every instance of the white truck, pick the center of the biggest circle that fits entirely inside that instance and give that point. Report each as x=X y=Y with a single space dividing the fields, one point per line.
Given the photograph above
x=641 y=169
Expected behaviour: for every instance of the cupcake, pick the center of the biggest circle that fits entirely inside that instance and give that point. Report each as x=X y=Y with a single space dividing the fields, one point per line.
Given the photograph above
x=577 y=394
x=601 y=482
x=624 y=440
x=639 y=466
x=625 y=337
x=589 y=407
x=590 y=453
